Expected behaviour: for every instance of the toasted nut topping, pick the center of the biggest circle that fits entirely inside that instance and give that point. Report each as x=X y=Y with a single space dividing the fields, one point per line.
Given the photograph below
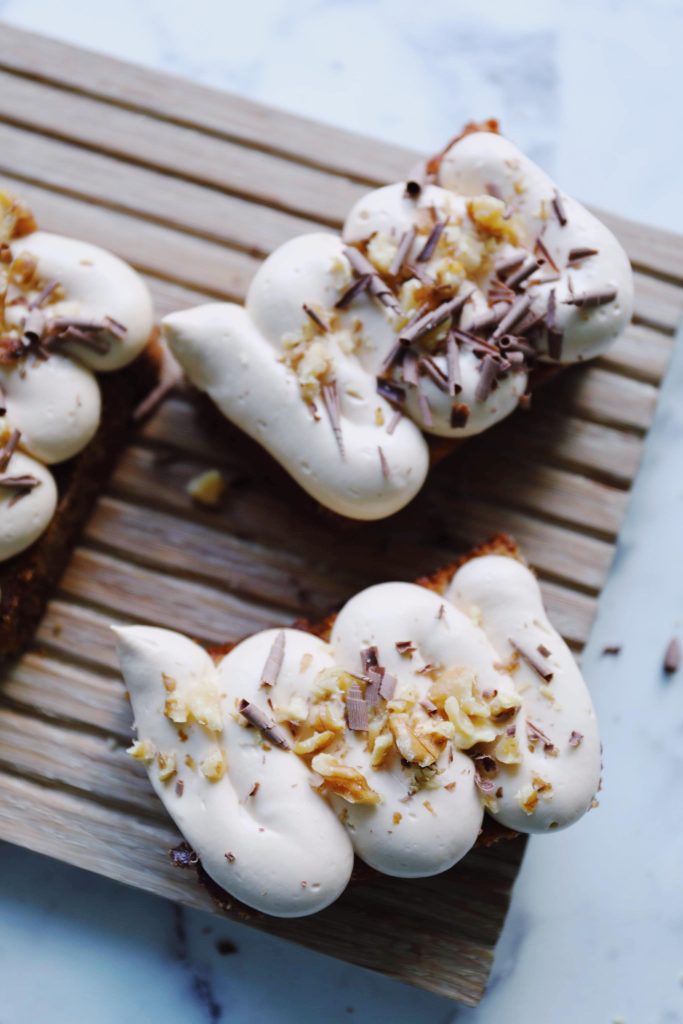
x=344 y=781
x=167 y=765
x=142 y=750
x=208 y=488
x=316 y=742
x=213 y=766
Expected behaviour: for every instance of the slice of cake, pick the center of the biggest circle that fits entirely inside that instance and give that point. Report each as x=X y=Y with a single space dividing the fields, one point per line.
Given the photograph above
x=77 y=354
x=392 y=732
x=442 y=304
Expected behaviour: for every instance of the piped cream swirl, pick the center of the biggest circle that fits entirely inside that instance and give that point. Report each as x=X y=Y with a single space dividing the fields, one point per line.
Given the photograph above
x=465 y=725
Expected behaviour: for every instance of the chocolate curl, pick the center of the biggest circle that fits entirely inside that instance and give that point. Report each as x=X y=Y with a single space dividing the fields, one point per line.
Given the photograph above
x=316 y=318
x=34 y=327
x=558 y=208
x=514 y=314
x=526 y=270
x=360 y=285
x=332 y=408
x=532 y=659
x=369 y=658
x=453 y=365
x=555 y=335
x=579 y=254
x=489 y=318
x=356 y=710
x=388 y=685
x=260 y=720
x=271 y=669
x=393 y=393
x=432 y=241
x=412 y=332
x=44 y=295
x=535 y=735
x=510 y=263
x=404 y=247
x=424 y=407
x=588 y=300
x=488 y=372
x=672 y=657
x=542 y=248
x=8 y=450
x=432 y=370
x=382 y=292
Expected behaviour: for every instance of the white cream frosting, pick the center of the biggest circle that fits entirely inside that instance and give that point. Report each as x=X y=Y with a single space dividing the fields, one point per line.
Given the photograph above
x=480 y=160
x=280 y=836
x=55 y=403
x=23 y=521
x=234 y=355
x=260 y=363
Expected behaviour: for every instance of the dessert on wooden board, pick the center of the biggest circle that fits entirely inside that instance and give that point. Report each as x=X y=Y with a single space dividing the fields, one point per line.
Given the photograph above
x=444 y=301
x=78 y=352
x=387 y=732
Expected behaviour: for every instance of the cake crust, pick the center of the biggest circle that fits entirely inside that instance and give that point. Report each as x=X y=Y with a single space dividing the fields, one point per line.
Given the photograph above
x=28 y=579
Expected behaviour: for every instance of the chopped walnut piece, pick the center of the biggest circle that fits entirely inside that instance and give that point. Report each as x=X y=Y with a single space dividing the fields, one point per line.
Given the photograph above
x=213 y=766
x=167 y=766
x=412 y=749
x=207 y=488
x=383 y=745
x=397 y=818
x=142 y=750
x=488 y=213
x=314 y=743
x=169 y=682
x=344 y=781
x=507 y=750
x=527 y=799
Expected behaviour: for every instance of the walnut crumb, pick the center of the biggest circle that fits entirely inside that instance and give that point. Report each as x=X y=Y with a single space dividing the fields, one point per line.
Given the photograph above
x=208 y=488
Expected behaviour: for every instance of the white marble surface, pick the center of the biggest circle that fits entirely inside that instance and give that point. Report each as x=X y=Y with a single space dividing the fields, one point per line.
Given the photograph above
x=595 y=935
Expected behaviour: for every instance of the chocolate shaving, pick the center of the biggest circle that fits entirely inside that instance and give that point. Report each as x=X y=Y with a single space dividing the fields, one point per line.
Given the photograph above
x=79 y=336
x=428 y=705
x=532 y=660
x=372 y=688
x=431 y=243
x=414 y=331
x=22 y=485
x=672 y=656
x=612 y=649
x=413 y=189
x=356 y=710
x=579 y=254
x=454 y=377
x=355 y=289
x=330 y=397
x=540 y=246
x=395 y=353
x=588 y=300
x=536 y=735
x=405 y=647
x=514 y=314
x=555 y=335
x=510 y=263
x=7 y=451
x=119 y=330
x=526 y=270
x=254 y=789
x=369 y=658
x=575 y=738
x=558 y=208
x=387 y=687
x=394 y=421
x=410 y=370
x=391 y=392
x=179 y=787
x=460 y=413
x=433 y=370
x=34 y=326
x=489 y=318
x=543 y=650
x=44 y=295
x=488 y=372
x=260 y=720
x=424 y=407
x=362 y=265
x=316 y=318
x=383 y=462
x=271 y=669
x=404 y=247
x=230 y=857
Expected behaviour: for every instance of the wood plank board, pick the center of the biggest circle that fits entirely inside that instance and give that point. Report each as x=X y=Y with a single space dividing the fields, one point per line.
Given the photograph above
x=193 y=187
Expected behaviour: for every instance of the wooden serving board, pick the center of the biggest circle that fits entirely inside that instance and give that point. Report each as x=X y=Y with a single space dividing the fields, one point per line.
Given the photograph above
x=193 y=187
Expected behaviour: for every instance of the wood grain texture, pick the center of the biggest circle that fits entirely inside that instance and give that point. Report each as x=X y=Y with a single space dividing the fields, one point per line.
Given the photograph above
x=193 y=187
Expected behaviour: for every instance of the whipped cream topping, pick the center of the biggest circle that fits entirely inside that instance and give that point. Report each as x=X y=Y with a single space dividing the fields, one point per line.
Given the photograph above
x=68 y=310
x=427 y=317
x=390 y=740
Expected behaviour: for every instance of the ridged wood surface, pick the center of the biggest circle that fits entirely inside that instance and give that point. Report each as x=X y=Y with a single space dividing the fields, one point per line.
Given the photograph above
x=193 y=187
